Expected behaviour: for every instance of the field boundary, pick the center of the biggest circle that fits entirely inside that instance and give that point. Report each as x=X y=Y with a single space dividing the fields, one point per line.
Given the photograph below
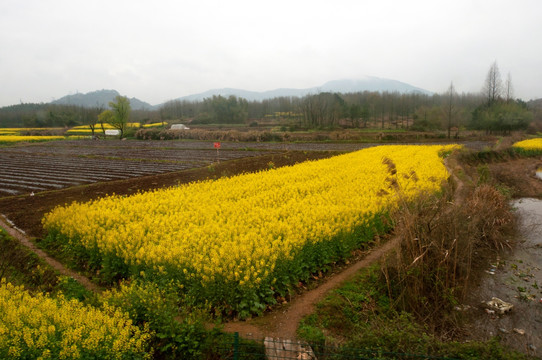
x=58 y=266
x=283 y=323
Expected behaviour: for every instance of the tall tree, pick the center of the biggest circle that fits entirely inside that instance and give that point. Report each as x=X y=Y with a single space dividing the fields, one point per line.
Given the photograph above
x=492 y=89
x=90 y=116
x=450 y=107
x=508 y=89
x=105 y=117
x=324 y=109
x=121 y=112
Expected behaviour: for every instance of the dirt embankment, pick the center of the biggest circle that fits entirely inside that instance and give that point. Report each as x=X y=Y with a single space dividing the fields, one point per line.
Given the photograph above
x=519 y=175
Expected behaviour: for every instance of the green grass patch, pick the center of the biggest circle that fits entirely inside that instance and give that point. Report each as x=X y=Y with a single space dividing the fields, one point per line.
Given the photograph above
x=358 y=319
x=20 y=266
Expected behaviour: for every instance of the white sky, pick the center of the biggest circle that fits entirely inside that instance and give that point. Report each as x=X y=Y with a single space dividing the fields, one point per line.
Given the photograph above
x=163 y=49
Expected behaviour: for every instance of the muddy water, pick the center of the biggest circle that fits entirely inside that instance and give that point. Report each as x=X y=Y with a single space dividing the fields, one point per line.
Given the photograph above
x=517 y=279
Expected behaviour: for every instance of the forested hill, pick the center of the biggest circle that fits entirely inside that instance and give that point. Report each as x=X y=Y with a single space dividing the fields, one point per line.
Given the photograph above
x=99 y=98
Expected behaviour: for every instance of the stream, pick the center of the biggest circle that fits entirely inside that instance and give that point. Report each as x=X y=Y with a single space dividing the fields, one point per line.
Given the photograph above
x=516 y=279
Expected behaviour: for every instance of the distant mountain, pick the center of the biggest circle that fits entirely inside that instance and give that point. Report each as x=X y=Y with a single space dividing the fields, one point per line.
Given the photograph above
x=99 y=98
x=368 y=83
x=371 y=83
x=246 y=94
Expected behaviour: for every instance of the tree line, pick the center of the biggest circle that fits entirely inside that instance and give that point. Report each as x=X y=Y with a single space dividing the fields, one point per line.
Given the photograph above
x=494 y=109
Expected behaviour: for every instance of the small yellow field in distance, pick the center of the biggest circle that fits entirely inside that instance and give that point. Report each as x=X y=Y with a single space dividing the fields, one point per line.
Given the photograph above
x=530 y=145
x=17 y=138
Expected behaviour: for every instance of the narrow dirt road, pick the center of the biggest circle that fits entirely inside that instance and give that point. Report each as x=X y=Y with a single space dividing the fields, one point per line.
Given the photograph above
x=282 y=322
x=24 y=240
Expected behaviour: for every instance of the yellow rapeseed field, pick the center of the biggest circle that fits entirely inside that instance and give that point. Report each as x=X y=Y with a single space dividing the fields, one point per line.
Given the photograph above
x=17 y=138
x=18 y=130
x=151 y=125
x=241 y=238
x=41 y=327
x=530 y=145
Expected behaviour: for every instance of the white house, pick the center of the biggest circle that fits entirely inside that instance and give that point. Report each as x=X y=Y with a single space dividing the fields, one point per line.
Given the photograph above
x=112 y=132
x=179 y=127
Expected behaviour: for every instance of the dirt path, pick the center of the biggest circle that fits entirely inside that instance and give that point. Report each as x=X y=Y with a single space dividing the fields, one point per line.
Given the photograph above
x=282 y=322
x=24 y=240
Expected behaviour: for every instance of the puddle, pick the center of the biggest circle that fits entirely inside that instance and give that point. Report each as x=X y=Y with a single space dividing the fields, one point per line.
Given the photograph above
x=516 y=279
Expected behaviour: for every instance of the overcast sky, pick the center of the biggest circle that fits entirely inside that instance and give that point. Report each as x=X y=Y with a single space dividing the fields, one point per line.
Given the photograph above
x=160 y=50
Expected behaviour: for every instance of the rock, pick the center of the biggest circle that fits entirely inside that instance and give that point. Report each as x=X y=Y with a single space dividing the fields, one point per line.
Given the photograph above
x=499 y=305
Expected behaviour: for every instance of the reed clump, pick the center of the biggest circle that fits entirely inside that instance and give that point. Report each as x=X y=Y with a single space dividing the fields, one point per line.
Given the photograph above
x=443 y=239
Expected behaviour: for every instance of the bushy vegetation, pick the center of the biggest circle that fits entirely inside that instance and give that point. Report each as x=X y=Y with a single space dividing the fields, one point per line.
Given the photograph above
x=361 y=320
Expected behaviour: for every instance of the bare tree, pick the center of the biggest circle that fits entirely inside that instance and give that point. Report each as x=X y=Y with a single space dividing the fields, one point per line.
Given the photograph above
x=508 y=89
x=450 y=107
x=492 y=89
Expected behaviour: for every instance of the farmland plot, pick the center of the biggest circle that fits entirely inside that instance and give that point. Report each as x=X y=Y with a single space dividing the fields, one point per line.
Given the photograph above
x=237 y=242
x=52 y=166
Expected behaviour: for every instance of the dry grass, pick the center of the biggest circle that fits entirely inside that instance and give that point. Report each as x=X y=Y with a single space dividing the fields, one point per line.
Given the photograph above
x=444 y=238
